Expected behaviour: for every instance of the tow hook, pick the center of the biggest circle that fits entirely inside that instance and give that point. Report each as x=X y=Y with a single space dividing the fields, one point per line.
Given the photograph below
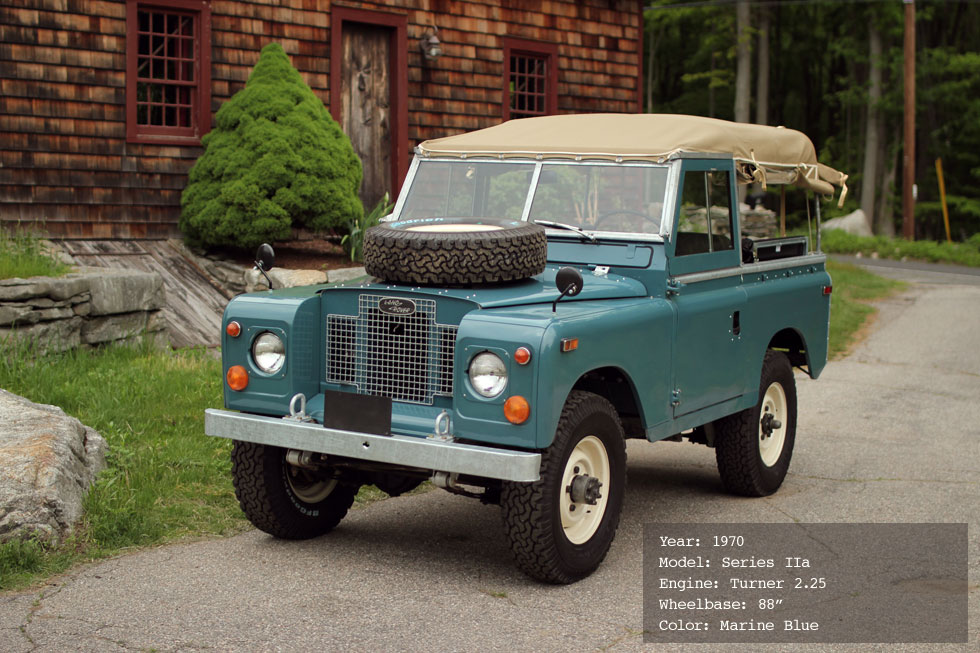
x=769 y=423
x=585 y=489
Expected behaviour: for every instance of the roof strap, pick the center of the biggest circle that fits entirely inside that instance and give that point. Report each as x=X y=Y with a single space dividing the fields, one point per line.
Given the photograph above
x=759 y=174
x=843 y=190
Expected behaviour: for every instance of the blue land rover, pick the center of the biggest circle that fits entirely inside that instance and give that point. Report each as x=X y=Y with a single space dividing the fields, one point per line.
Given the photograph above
x=543 y=290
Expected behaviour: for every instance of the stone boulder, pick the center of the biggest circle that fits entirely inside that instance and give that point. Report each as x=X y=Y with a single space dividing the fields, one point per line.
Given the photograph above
x=282 y=278
x=855 y=223
x=48 y=460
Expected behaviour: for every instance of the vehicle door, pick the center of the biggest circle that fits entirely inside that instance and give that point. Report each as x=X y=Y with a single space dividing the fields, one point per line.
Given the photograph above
x=704 y=285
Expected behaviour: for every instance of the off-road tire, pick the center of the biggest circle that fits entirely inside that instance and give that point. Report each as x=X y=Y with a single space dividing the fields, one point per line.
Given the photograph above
x=268 y=500
x=402 y=252
x=738 y=437
x=532 y=511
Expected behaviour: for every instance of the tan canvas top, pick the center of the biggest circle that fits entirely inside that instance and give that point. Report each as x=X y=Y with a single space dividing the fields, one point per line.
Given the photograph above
x=763 y=154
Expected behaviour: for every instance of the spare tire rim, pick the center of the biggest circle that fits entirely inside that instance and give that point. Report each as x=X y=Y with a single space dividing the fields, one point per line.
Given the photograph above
x=580 y=520
x=454 y=228
x=772 y=424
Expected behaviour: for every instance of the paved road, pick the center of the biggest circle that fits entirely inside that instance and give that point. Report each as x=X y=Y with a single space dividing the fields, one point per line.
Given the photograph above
x=891 y=434
x=916 y=271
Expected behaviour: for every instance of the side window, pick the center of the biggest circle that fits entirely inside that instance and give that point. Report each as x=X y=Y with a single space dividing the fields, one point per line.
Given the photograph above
x=168 y=71
x=530 y=78
x=705 y=219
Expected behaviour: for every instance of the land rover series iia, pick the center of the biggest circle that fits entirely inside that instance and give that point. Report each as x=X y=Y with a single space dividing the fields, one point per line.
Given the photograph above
x=543 y=290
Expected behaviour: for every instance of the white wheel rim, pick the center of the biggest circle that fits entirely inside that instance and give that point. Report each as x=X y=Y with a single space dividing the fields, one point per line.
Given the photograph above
x=306 y=489
x=455 y=228
x=581 y=520
x=774 y=403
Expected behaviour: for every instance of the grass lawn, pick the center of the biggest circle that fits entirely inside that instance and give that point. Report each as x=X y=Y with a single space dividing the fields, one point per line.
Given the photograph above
x=21 y=255
x=166 y=480
x=836 y=241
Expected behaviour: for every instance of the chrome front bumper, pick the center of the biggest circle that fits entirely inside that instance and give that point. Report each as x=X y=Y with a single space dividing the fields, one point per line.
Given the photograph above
x=422 y=453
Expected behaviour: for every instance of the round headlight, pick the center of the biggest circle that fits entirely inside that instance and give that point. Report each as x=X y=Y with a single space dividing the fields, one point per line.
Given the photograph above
x=488 y=374
x=268 y=352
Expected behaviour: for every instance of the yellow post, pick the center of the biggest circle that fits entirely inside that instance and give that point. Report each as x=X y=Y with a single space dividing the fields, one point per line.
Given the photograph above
x=942 y=197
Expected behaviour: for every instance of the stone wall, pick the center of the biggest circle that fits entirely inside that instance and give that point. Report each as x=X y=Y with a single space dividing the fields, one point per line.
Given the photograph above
x=90 y=306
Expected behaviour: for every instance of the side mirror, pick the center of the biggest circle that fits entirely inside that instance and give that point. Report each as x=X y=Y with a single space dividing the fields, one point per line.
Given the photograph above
x=265 y=257
x=569 y=282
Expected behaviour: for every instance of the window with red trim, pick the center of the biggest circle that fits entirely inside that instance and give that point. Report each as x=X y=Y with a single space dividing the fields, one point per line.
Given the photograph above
x=530 y=79
x=168 y=92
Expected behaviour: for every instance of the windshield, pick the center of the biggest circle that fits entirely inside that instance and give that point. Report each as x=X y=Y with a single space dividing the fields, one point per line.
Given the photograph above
x=615 y=198
x=608 y=197
x=461 y=189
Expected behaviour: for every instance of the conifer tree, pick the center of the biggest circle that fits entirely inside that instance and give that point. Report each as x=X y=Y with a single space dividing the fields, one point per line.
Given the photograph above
x=274 y=160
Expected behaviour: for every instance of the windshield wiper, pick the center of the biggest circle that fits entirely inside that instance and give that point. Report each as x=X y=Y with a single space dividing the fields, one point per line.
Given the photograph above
x=570 y=227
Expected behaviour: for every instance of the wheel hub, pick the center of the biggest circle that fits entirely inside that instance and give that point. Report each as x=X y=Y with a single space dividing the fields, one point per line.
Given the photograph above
x=769 y=423
x=585 y=489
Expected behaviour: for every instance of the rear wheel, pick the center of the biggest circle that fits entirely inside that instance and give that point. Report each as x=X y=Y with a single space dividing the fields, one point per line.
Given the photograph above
x=561 y=526
x=753 y=448
x=284 y=500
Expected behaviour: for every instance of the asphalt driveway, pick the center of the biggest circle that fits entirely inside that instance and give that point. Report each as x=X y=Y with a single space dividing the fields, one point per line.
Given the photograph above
x=891 y=434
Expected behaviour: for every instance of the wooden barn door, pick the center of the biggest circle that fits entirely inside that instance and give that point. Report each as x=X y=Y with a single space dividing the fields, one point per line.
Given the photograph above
x=366 y=108
x=368 y=94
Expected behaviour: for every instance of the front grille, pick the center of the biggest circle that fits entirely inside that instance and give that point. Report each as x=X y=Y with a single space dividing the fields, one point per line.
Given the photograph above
x=406 y=357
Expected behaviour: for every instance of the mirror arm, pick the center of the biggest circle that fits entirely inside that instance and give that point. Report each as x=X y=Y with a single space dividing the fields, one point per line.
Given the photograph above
x=554 y=305
x=260 y=268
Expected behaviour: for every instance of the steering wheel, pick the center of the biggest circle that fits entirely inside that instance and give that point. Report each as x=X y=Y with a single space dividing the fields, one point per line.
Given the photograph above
x=609 y=214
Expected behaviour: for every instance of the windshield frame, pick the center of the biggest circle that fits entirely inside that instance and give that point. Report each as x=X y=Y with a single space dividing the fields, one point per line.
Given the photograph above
x=666 y=219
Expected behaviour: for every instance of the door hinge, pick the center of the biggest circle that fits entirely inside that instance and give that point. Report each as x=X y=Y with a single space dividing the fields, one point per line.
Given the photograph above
x=675 y=397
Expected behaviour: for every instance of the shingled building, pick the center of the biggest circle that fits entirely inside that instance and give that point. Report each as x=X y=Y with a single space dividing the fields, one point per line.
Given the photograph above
x=103 y=102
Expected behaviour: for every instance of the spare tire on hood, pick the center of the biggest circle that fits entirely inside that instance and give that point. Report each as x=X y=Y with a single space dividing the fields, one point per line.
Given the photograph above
x=455 y=251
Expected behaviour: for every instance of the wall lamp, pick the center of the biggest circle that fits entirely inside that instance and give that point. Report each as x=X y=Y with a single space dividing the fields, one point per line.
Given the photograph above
x=430 y=45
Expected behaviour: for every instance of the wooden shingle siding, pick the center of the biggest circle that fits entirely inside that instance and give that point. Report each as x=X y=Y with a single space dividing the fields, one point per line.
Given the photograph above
x=66 y=165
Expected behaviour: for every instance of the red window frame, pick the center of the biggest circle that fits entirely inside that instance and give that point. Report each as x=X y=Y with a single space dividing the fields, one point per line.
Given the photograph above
x=531 y=67
x=168 y=71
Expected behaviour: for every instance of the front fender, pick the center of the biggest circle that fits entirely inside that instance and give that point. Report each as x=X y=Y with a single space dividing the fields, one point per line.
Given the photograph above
x=630 y=334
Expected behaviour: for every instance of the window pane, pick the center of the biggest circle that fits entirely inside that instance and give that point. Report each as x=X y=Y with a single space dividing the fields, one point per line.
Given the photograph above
x=528 y=79
x=721 y=212
x=469 y=190
x=166 y=53
x=705 y=209
x=601 y=197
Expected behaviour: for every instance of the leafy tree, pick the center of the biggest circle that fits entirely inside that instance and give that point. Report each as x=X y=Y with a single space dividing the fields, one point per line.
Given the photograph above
x=274 y=160
x=821 y=67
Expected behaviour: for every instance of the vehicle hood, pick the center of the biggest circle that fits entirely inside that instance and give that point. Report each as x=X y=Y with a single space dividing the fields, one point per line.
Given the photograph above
x=535 y=290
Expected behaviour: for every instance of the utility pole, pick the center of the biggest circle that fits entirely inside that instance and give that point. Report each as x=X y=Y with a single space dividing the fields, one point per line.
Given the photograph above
x=908 y=178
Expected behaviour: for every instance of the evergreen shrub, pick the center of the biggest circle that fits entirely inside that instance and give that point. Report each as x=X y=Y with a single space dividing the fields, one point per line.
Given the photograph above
x=274 y=160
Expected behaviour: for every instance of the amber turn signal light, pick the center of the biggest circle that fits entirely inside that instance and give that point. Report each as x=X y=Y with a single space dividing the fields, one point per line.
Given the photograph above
x=237 y=378
x=234 y=329
x=517 y=410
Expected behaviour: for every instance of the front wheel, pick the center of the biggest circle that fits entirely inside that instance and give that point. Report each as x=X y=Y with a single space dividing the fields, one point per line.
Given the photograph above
x=753 y=447
x=284 y=500
x=561 y=526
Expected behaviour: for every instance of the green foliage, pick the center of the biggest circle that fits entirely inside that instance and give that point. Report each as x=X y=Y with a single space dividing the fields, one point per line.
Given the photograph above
x=165 y=479
x=854 y=287
x=818 y=83
x=353 y=240
x=23 y=255
x=839 y=242
x=275 y=159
